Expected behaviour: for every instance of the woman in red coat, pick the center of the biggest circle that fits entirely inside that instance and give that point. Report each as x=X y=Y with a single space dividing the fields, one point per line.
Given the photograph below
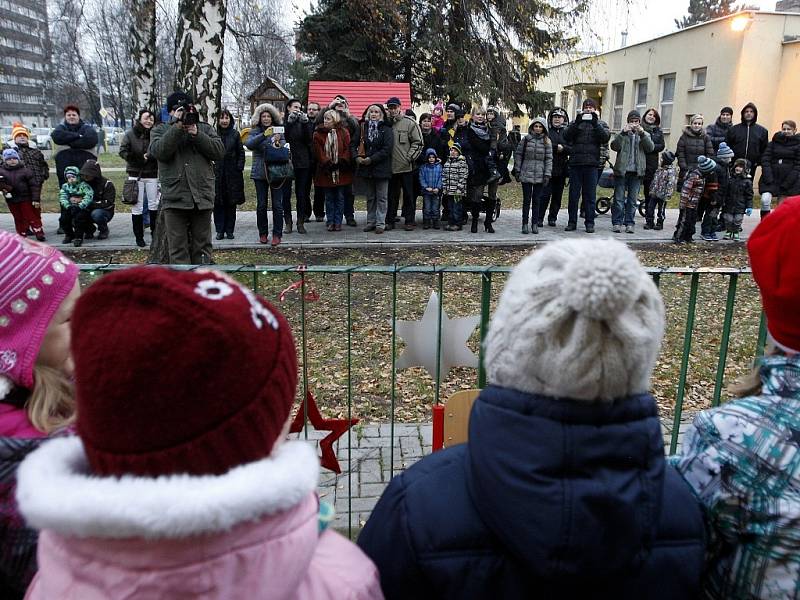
x=334 y=166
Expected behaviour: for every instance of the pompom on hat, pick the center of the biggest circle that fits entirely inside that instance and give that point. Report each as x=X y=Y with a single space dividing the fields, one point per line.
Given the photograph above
x=34 y=280
x=179 y=372
x=775 y=260
x=705 y=164
x=578 y=320
x=724 y=151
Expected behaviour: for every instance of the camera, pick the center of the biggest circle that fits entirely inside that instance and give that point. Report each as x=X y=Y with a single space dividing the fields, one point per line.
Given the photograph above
x=586 y=116
x=190 y=115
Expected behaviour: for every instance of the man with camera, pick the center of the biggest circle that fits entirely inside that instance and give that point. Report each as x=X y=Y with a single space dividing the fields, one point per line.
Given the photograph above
x=584 y=135
x=185 y=149
x=632 y=144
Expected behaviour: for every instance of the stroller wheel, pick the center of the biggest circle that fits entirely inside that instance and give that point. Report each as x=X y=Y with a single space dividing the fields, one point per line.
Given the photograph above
x=603 y=205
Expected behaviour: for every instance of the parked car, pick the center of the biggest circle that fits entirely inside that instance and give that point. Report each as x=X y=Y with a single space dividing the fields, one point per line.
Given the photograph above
x=42 y=137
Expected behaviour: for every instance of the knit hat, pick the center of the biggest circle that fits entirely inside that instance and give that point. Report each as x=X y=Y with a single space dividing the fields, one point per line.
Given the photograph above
x=724 y=151
x=19 y=129
x=456 y=146
x=578 y=320
x=203 y=382
x=34 y=280
x=453 y=107
x=634 y=114
x=726 y=109
x=589 y=103
x=10 y=153
x=72 y=171
x=705 y=164
x=668 y=157
x=177 y=97
x=431 y=152
x=775 y=260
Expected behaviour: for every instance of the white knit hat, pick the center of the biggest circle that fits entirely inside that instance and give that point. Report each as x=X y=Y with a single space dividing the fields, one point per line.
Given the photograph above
x=578 y=319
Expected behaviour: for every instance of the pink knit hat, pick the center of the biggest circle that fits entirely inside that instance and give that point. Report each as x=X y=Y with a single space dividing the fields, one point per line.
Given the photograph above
x=34 y=280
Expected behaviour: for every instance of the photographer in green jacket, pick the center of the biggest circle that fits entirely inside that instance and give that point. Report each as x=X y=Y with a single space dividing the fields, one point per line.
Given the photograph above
x=185 y=150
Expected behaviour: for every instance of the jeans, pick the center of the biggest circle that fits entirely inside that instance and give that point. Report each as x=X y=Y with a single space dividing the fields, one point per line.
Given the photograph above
x=224 y=217
x=188 y=235
x=709 y=219
x=733 y=223
x=626 y=193
x=531 y=195
x=582 y=183
x=377 y=201
x=334 y=204
x=101 y=216
x=431 y=206
x=281 y=202
x=551 y=195
x=302 y=190
x=404 y=181
x=456 y=209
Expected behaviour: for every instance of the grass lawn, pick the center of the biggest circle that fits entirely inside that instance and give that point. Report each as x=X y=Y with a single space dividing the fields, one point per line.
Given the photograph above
x=371 y=304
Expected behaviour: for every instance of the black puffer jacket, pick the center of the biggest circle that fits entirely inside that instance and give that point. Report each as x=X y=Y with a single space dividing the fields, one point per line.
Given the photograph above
x=77 y=144
x=299 y=134
x=379 y=152
x=476 y=151
x=780 y=166
x=739 y=196
x=651 y=158
x=748 y=140
x=134 y=146
x=20 y=181
x=690 y=146
x=105 y=194
x=229 y=170
x=434 y=140
x=718 y=131
x=585 y=139
x=560 y=158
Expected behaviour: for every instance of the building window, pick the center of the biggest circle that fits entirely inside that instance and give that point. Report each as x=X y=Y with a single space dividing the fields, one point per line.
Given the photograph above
x=564 y=99
x=618 y=94
x=640 y=95
x=699 y=78
x=667 y=99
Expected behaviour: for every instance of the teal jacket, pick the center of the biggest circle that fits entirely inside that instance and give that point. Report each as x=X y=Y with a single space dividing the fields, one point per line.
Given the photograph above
x=185 y=165
x=80 y=188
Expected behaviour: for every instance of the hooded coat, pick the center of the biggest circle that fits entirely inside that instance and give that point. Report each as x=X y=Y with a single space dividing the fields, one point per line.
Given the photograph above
x=104 y=193
x=691 y=145
x=259 y=139
x=430 y=175
x=748 y=140
x=780 y=166
x=556 y=134
x=549 y=499
x=20 y=181
x=252 y=532
x=229 y=170
x=73 y=146
x=533 y=158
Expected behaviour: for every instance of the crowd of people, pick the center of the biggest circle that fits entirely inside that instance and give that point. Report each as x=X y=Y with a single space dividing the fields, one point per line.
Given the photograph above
x=112 y=488
x=455 y=158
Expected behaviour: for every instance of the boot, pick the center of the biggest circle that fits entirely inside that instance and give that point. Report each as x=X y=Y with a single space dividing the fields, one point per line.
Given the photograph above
x=659 y=225
x=534 y=228
x=287 y=224
x=138 y=229
x=487 y=225
x=649 y=225
x=764 y=213
x=153 y=219
x=474 y=227
x=78 y=241
x=426 y=223
x=301 y=228
x=435 y=224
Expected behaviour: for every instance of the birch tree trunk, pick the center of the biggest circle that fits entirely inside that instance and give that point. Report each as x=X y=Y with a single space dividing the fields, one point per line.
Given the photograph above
x=199 y=53
x=142 y=46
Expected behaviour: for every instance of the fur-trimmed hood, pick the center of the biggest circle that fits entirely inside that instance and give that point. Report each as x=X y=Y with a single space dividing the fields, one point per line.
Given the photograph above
x=57 y=491
x=277 y=118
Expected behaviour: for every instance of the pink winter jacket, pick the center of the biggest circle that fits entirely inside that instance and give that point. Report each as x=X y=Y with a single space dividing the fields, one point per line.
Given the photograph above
x=248 y=534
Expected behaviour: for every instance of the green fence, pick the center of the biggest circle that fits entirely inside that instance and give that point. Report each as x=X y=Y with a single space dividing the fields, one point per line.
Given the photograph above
x=711 y=291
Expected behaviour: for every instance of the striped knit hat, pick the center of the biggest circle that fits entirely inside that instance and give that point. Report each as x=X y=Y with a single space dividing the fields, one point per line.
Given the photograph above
x=19 y=129
x=705 y=164
x=34 y=280
x=724 y=151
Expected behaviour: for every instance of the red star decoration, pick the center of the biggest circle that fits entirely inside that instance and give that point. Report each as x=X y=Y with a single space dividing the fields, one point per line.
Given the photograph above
x=337 y=428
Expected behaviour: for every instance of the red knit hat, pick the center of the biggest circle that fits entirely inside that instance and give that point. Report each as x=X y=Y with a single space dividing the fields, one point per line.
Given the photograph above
x=179 y=372
x=775 y=259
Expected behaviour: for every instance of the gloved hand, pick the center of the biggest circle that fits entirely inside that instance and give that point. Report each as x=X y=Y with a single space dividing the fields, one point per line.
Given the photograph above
x=748 y=211
x=545 y=181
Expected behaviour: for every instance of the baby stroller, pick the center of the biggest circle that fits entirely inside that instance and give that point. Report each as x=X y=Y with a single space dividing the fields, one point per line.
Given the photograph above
x=606 y=181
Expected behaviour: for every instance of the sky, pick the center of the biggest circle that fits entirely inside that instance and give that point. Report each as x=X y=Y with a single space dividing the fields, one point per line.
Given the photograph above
x=645 y=19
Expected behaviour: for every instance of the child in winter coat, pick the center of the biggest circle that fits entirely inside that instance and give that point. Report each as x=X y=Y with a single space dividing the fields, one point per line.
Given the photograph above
x=430 y=180
x=533 y=164
x=694 y=185
x=75 y=197
x=18 y=185
x=180 y=495
x=661 y=190
x=711 y=206
x=40 y=287
x=454 y=186
x=740 y=459
x=31 y=158
x=437 y=119
x=738 y=199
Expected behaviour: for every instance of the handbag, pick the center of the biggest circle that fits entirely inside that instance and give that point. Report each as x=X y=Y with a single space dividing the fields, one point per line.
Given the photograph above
x=130 y=190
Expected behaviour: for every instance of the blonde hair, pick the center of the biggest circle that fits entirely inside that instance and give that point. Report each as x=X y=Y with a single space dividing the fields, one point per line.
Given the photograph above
x=335 y=117
x=479 y=111
x=51 y=405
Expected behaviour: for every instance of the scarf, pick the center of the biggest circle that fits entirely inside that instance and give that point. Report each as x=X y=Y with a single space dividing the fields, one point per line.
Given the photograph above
x=482 y=131
x=372 y=132
x=332 y=152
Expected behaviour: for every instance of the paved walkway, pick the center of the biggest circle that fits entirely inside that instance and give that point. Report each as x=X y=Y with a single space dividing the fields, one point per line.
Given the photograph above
x=507 y=233
x=367 y=464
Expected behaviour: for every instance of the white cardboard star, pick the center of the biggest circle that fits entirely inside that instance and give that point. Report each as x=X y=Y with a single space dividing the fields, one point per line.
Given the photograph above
x=420 y=339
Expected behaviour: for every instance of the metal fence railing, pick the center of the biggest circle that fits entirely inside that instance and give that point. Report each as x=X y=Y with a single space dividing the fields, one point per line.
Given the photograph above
x=716 y=298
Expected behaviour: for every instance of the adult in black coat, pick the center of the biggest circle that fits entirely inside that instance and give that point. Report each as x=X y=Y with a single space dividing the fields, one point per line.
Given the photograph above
x=748 y=139
x=557 y=123
x=299 y=134
x=229 y=192
x=651 y=123
x=718 y=130
x=77 y=140
x=780 y=165
x=562 y=490
x=374 y=164
x=104 y=197
x=477 y=151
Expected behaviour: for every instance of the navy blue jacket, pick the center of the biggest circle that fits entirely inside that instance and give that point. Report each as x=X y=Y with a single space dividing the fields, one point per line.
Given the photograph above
x=550 y=498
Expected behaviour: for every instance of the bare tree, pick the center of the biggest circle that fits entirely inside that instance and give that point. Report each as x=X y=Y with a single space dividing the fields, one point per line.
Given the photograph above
x=142 y=48
x=199 y=52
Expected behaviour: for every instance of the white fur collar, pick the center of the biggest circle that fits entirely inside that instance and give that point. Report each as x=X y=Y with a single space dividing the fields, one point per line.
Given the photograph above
x=56 y=491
